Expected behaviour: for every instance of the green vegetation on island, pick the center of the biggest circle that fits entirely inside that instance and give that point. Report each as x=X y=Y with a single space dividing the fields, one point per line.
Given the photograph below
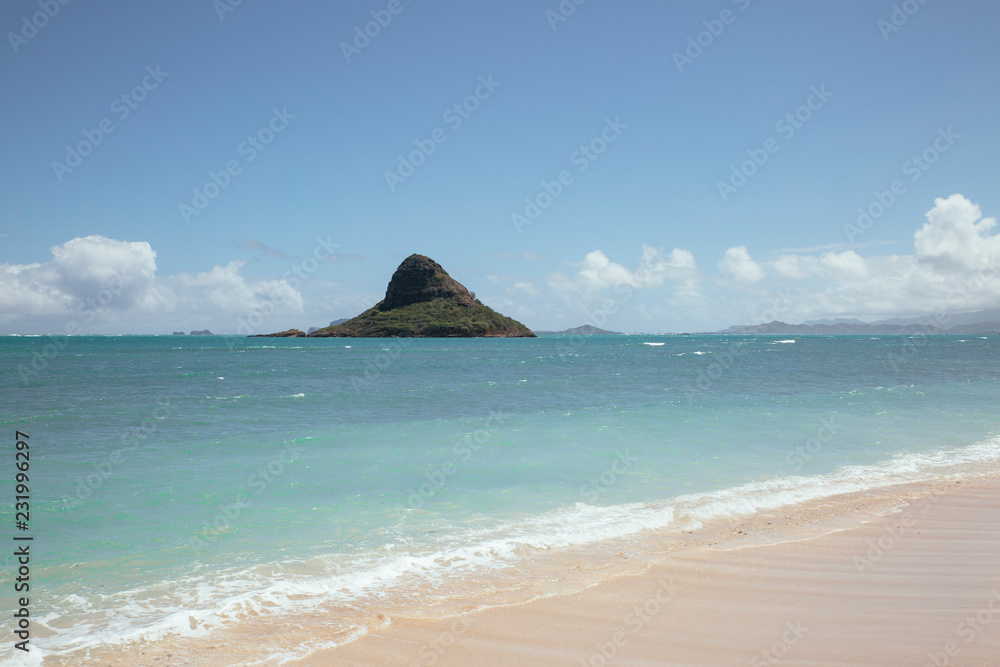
x=423 y=301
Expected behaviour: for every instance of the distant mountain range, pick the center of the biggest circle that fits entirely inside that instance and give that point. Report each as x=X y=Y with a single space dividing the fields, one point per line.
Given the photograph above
x=978 y=322
x=584 y=330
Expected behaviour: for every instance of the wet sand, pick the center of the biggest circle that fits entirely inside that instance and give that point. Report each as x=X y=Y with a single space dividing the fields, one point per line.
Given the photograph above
x=906 y=575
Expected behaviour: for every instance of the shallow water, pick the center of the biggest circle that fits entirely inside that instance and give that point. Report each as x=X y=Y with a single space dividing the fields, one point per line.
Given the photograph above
x=188 y=486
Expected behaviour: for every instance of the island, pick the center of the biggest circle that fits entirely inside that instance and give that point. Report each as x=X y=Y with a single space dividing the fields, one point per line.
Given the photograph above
x=583 y=330
x=422 y=301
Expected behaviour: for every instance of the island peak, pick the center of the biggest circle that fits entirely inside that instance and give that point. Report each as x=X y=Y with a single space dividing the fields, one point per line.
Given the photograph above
x=423 y=301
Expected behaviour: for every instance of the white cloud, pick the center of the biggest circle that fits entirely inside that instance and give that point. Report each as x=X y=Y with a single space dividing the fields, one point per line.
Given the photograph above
x=80 y=272
x=955 y=237
x=737 y=264
x=790 y=266
x=847 y=264
x=955 y=267
x=597 y=272
x=524 y=287
x=224 y=290
x=109 y=285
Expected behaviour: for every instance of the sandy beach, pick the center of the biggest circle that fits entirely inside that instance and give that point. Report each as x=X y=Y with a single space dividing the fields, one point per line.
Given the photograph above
x=905 y=575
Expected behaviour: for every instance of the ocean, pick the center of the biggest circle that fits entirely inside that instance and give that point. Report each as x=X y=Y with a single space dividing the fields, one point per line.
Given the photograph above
x=189 y=492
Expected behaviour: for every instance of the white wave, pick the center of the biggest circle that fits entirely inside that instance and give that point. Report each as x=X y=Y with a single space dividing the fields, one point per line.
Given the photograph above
x=776 y=342
x=202 y=604
x=655 y=344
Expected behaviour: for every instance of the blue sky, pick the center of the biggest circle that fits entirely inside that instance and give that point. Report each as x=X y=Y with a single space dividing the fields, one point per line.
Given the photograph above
x=641 y=236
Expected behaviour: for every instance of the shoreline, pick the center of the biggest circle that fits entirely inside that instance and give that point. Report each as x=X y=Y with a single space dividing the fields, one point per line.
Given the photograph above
x=715 y=593
x=888 y=576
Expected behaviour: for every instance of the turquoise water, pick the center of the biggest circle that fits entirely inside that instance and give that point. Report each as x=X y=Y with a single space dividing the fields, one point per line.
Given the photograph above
x=179 y=482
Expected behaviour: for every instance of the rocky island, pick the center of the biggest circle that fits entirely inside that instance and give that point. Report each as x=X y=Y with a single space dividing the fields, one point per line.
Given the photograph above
x=423 y=301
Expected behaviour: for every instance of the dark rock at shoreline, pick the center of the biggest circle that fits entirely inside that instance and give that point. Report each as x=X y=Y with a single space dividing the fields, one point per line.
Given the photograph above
x=290 y=333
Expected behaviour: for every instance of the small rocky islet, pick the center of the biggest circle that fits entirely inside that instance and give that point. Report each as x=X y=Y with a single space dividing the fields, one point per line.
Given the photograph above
x=422 y=301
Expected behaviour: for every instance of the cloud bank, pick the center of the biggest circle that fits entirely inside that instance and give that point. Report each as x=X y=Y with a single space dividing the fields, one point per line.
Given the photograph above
x=104 y=285
x=111 y=286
